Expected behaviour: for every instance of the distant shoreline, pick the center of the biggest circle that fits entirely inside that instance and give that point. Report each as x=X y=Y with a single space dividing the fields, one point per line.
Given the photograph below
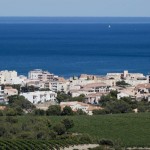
x=45 y=19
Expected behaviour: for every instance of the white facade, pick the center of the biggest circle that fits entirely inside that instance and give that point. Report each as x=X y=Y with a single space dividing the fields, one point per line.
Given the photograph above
x=6 y=76
x=56 y=86
x=135 y=82
x=10 y=77
x=120 y=95
x=40 y=96
x=39 y=74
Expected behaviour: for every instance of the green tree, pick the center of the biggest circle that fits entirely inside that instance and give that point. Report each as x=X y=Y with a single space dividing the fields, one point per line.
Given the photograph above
x=68 y=123
x=39 y=112
x=10 y=112
x=105 y=99
x=19 y=110
x=80 y=112
x=122 y=83
x=29 y=89
x=53 y=110
x=17 y=86
x=67 y=111
x=63 y=97
x=118 y=107
x=59 y=128
x=80 y=98
x=114 y=93
x=16 y=100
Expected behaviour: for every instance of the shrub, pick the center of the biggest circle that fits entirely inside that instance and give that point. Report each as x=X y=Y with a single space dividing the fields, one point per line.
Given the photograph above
x=11 y=119
x=19 y=110
x=48 y=123
x=80 y=112
x=26 y=135
x=106 y=142
x=39 y=112
x=1 y=113
x=2 y=131
x=59 y=128
x=14 y=130
x=100 y=112
x=40 y=135
x=11 y=112
x=53 y=110
x=20 y=101
x=52 y=134
x=67 y=111
x=85 y=139
x=68 y=123
x=118 y=107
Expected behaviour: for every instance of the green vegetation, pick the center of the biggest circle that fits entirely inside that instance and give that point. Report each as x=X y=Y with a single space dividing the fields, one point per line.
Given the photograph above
x=67 y=111
x=63 y=97
x=131 y=129
x=30 y=127
x=18 y=105
x=122 y=83
x=22 y=123
x=38 y=144
x=112 y=105
x=29 y=89
x=54 y=110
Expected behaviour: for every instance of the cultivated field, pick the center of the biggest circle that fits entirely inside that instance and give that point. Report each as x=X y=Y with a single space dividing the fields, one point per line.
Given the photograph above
x=130 y=129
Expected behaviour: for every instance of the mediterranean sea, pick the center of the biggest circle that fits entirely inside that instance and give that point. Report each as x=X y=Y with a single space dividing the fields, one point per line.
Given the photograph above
x=68 y=49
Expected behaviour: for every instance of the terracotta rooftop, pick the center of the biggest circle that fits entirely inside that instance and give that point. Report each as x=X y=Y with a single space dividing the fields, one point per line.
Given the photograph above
x=147 y=86
x=91 y=85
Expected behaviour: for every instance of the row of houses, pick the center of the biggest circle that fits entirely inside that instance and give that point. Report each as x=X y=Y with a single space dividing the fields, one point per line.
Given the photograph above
x=92 y=86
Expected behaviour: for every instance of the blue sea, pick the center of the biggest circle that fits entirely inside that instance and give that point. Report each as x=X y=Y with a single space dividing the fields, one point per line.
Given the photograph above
x=72 y=48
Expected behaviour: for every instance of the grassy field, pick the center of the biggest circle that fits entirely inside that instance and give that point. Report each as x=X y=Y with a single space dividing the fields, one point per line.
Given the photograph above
x=130 y=129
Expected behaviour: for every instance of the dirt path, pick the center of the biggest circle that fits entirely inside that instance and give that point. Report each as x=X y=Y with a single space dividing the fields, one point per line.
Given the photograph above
x=80 y=147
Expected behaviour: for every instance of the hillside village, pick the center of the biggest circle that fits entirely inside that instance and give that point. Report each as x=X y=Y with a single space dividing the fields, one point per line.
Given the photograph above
x=41 y=88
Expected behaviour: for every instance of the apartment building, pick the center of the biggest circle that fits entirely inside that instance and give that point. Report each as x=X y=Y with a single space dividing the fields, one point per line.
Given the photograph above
x=6 y=76
x=39 y=74
x=11 y=77
x=40 y=96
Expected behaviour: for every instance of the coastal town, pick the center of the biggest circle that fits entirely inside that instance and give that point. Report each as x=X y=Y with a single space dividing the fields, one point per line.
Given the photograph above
x=44 y=87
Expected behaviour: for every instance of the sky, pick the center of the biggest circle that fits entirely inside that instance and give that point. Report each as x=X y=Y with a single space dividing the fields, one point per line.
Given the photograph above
x=78 y=8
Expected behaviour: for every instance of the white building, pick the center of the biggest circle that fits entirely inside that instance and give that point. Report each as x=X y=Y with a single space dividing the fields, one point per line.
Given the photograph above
x=6 y=76
x=123 y=94
x=9 y=91
x=97 y=87
x=19 y=80
x=93 y=98
x=75 y=106
x=135 y=82
x=40 y=96
x=39 y=74
x=11 y=77
x=59 y=85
